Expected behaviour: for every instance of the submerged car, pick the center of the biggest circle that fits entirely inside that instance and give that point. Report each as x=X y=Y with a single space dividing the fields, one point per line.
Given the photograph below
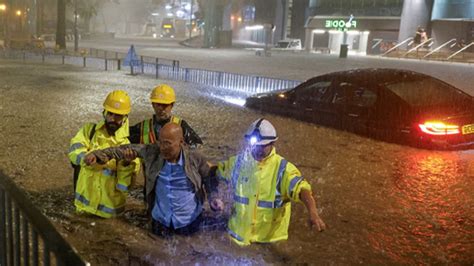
x=288 y=45
x=388 y=104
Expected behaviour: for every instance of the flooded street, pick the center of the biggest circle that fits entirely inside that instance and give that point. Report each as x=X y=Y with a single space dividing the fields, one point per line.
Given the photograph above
x=383 y=203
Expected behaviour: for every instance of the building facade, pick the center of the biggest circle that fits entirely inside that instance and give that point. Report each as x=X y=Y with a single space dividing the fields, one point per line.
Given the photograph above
x=373 y=26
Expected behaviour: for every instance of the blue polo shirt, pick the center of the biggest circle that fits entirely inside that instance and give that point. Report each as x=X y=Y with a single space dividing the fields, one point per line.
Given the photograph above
x=176 y=204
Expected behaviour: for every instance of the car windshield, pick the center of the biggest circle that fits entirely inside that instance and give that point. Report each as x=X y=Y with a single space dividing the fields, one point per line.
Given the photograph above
x=427 y=92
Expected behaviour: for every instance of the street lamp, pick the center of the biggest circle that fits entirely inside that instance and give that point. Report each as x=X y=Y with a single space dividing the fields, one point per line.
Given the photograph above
x=18 y=13
x=3 y=8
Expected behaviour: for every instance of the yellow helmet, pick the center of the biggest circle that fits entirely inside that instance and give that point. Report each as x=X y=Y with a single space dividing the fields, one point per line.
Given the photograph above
x=163 y=94
x=118 y=102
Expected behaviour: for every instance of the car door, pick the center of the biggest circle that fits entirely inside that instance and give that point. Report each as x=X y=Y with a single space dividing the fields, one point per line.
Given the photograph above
x=312 y=101
x=357 y=106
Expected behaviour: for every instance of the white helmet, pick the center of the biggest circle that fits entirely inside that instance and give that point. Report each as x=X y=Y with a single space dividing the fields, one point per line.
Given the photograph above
x=261 y=132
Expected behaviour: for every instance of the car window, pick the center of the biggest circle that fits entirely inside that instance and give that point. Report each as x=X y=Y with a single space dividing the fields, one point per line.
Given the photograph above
x=354 y=95
x=315 y=92
x=427 y=92
x=363 y=97
x=341 y=93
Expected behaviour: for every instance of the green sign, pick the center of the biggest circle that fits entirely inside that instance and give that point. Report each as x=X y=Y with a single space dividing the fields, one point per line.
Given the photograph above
x=340 y=24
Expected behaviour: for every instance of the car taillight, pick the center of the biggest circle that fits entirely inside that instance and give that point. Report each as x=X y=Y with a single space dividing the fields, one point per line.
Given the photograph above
x=439 y=128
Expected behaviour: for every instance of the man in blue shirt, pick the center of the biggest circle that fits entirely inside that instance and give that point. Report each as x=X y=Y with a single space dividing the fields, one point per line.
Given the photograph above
x=176 y=180
x=177 y=208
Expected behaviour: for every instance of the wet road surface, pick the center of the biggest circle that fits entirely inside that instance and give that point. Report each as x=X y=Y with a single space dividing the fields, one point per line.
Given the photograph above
x=383 y=203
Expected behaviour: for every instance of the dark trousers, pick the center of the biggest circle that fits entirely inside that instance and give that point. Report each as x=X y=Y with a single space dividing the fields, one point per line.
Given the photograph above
x=160 y=230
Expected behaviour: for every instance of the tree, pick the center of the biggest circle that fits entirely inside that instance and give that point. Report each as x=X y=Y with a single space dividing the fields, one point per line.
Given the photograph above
x=61 y=25
x=87 y=9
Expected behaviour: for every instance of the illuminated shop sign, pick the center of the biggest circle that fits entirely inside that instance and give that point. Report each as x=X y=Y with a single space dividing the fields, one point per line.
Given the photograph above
x=340 y=24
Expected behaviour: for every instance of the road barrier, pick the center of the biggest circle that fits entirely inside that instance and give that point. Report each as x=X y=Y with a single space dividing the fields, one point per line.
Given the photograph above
x=26 y=235
x=159 y=68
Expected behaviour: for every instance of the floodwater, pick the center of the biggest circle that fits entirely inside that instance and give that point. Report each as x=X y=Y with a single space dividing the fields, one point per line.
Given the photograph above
x=383 y=203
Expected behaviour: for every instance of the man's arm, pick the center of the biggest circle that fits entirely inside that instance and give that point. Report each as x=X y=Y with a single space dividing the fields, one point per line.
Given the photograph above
x=80 y=144
x=308 y=200
x=207 y=171
x=299 y=190
x=124 y=152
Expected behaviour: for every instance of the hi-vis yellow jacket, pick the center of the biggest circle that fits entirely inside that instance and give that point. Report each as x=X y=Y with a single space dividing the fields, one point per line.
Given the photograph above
x=262 y=192
x=147 y=130
x=101 y=189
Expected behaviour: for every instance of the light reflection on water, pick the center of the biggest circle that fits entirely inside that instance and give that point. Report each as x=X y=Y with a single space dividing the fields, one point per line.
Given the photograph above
x=432 y=198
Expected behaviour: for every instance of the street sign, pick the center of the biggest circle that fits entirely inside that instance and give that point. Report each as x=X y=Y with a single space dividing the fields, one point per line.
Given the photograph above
x=131 y=59
x=341 y=24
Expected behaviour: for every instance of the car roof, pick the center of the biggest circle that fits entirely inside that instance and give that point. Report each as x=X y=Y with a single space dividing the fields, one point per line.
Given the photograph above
x=379 y=77
x=375 y=75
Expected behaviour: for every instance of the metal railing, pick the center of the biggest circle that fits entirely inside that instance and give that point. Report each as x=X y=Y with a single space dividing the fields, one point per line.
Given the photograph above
x=398 y=45
x=224 y=80
x=379 y=42
x=461 y=50
x=441 y=46
x=26 y=235
x=427 y=42
x=164 y=69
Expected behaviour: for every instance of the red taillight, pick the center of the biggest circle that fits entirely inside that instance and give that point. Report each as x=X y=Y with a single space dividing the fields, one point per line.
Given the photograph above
x=439 y=128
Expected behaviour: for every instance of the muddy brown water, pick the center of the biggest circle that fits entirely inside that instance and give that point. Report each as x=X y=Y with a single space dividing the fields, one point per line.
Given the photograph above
x=383 y=203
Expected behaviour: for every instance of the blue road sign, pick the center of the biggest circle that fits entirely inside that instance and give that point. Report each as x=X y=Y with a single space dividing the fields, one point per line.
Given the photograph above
x=131 y=59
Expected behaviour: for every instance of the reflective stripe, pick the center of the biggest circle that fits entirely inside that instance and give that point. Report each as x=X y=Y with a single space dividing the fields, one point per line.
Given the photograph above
x=101 y=207
x=269 y=204
x=266 y=204
x=122 y=187
x=242 y=200
x=234 y=235
x=80 y=157
x=82 y=199
x=281 y=171
x=110 y=210
x=236 y=172
x=146 y=132
x=293 y=184
x=176 y=120
x=75 y=146
x=108 y=172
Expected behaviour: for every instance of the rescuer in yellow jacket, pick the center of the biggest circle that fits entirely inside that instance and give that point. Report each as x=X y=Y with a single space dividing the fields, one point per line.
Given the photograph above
x=102 y=189
x=263 y=184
